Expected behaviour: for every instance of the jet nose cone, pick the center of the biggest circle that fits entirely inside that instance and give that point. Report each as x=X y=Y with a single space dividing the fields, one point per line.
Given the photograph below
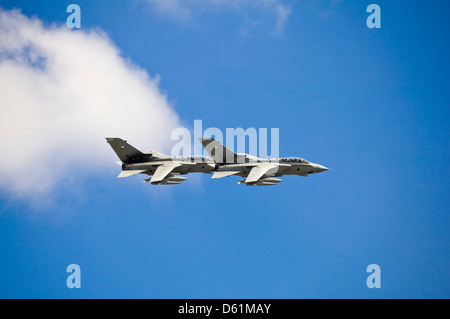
x=320 y=168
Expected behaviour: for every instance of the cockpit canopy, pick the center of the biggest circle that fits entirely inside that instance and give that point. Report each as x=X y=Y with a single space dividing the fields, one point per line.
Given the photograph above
x=294 y=160
x=195 y=158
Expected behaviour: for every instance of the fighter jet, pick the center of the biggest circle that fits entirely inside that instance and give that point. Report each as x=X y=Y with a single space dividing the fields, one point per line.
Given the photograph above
x=164 y=169
x=257 y=171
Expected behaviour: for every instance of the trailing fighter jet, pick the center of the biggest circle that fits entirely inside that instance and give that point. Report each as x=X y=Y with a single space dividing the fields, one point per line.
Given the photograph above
x=165 y=169
x=258 y=171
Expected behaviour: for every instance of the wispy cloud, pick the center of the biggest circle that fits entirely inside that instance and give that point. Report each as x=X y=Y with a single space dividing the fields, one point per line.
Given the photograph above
x=253 y=11
x=61 y=93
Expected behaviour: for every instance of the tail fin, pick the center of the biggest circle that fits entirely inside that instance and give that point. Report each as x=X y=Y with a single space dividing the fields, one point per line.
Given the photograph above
x=124 y=150
x=219 y=153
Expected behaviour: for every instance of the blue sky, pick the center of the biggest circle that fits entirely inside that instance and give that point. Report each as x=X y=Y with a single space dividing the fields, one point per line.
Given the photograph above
x=372 y=104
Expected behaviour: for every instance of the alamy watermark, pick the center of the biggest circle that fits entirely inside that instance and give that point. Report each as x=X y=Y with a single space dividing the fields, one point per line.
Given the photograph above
x=374 y=279
x=251 y=140
x=374 y=19
x=74 y=19
x=74 y=279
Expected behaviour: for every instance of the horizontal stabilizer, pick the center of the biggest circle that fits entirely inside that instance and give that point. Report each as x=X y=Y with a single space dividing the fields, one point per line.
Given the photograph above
x=224 y=173
x=130 y=173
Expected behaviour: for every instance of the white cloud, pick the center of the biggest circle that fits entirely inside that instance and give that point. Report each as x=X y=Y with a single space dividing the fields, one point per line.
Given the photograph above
x=254 y=11
x=62 y=92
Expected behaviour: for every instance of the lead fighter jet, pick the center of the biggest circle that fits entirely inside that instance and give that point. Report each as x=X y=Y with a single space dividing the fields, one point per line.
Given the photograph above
x=165 y=169
x=258 y=171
